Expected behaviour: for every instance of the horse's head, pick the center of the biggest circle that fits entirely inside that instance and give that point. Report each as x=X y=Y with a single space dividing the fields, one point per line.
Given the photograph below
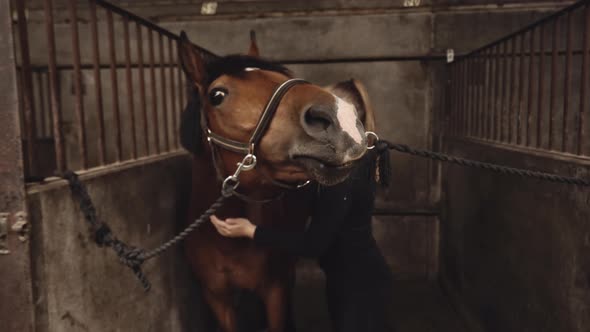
x=316 y=133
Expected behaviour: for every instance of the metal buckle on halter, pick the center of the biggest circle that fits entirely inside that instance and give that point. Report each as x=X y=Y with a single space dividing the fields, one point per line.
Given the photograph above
x=375 y=139
x=231 y=183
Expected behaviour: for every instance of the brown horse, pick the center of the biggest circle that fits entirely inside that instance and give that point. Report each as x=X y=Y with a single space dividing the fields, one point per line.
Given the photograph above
x=316 y=134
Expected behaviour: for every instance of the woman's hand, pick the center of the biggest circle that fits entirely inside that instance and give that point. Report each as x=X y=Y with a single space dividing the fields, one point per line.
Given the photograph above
x=234 y=227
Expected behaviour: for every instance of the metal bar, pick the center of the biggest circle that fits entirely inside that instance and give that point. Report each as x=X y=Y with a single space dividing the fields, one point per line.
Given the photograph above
x=520 y=92
x=142 y=94
x=486 y=97
x=512 y=98
x=553 y=92
x=78 y=83
x=541 y=92
x=102 y=152
x=42 y=110
x=529 y=113
x=480 y=87
x=153 y=90
x=503 y=101
x=584 y=81
x=27 y=79
x=49 y=106
x=468 y=98
x=130 y=96
x=181 y=90
x=114 y=87
x=164 y=92
x=529 y=27
x=497 y=72
x=474 y=99
x=462 y=98
x=60 y=157
x=567 y=81
x=172 y=92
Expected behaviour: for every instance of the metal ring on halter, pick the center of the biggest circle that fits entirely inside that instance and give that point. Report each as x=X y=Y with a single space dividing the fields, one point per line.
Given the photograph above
x=369 y=134
x=248 y=163
x=303 y=184
x=230 y=184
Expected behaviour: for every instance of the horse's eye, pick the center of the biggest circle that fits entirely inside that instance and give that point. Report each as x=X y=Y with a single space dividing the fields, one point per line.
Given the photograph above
x=217 y=95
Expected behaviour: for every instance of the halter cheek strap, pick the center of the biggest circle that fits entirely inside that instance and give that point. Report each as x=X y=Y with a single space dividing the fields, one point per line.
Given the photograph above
x=263 y=123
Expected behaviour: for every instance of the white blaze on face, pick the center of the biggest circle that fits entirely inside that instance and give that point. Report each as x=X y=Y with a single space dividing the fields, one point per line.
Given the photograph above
x=347 y=118
x=251 y=68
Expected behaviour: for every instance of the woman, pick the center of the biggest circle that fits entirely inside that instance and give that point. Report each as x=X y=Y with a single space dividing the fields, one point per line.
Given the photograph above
x=358 y=281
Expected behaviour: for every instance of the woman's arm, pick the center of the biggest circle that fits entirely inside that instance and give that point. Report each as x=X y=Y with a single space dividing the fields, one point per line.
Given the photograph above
x=329 y=213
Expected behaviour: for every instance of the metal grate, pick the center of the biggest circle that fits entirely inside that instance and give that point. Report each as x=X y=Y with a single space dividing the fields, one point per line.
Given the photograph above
x=528 y=89
x=100 y=89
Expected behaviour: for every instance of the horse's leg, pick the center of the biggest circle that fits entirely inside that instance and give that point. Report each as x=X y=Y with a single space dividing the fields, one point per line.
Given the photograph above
x=277 y=300
x=222 y=306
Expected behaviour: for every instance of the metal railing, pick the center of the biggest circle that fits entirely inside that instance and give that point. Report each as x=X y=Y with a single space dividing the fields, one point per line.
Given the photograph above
x=529 y=88
x=137 y=90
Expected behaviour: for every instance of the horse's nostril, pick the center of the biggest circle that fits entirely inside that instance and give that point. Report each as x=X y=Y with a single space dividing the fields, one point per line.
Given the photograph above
x=318 y=119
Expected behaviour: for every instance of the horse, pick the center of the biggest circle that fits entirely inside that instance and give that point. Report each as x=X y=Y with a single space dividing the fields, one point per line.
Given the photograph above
x=315 y=134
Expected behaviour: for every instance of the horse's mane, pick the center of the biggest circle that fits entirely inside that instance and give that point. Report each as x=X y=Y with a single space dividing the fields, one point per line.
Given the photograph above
x=235 y=65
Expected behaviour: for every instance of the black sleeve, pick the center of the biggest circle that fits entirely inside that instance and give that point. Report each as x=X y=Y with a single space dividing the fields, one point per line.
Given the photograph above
x=329 y=213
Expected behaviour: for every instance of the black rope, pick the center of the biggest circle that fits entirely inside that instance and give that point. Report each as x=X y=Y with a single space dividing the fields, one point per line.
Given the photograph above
x=384 y=145
x=129 y=256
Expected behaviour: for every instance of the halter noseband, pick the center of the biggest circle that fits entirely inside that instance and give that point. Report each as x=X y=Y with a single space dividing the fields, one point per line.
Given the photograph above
x=248 y=149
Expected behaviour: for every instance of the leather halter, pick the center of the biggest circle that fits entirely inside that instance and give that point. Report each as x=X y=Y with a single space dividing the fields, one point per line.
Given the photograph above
x=249 y=148
x=263 y=123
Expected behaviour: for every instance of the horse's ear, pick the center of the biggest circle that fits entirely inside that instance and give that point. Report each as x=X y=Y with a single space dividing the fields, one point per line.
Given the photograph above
x=192 y=62
x=253 y=51
x=353 y=91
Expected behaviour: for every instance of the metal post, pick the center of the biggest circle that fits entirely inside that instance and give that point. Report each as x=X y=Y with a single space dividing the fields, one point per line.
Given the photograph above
x=16 y=293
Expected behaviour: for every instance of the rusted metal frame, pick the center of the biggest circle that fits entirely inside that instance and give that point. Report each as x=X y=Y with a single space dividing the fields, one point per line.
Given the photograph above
x=60 y=156
x=17 y=305
x=42 y=110
x=27 y=81
x=142 y=94
x=527 y=28
x=497 y=86
x=521 y=84
x=130 y=95
x=79 y=104
x=531 y=82
x=114 y=87
x=567 y=81
x=553 y=92
x=503 y=99
x=102 y=150
x=164 y=92
x=173 y=92
x=584 y=81
x=512 y=97
x=153 y=90
x=541 y=91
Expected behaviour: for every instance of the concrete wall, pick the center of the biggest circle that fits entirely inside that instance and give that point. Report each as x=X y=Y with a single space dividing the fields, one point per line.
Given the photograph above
x=516 y=250
x=81 y=287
